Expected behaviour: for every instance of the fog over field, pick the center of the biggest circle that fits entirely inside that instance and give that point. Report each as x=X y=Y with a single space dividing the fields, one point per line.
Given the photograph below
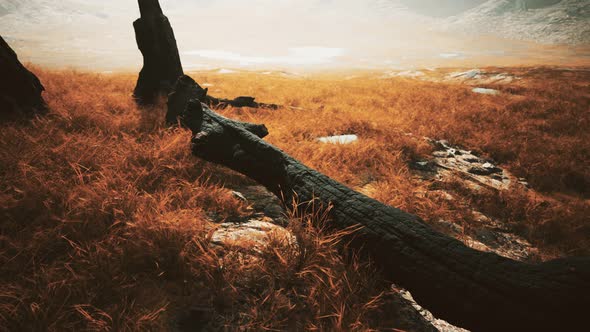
x=306 y=34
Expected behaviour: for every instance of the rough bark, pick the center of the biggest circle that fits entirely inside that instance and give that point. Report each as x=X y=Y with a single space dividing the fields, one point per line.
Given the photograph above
x=161 y=62
x=20 y=90
x=476 y=290
x=186 y=88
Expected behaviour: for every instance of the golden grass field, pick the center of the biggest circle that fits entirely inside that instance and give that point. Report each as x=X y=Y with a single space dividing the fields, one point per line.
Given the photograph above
x=104 y=210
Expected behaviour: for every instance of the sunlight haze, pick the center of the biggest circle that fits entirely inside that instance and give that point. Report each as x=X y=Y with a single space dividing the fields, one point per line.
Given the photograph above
x=307 y=34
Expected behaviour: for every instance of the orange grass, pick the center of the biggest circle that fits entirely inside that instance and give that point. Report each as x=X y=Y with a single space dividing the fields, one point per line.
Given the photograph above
x=105 y=212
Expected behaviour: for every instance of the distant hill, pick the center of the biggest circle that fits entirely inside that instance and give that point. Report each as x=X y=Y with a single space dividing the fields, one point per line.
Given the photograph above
x=440 y=8
x=9 y=6
x=543 y=21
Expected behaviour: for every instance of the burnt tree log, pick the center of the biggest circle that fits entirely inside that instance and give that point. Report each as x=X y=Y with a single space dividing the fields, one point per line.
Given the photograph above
x=186 y=88
x=161 y=61
x=242 y=101
x=473 y=289
x=20 y=90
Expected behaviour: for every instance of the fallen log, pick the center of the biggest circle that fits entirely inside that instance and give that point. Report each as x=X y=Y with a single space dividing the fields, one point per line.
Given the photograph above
x=242 y=101
x=476 y=290
x=186 y=88
x=20 y=90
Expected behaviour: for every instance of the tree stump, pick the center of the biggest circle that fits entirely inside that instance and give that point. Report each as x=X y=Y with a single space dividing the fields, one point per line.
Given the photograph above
x=20 y=90
x=161 y=61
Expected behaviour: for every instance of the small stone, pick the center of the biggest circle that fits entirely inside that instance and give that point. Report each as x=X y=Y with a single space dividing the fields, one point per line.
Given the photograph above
x=486 y=91
x=423 y=165
x=239 y=196
x=341 y=139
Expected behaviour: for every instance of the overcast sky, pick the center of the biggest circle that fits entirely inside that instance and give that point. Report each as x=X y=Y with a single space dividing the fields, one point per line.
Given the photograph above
x=249 y=33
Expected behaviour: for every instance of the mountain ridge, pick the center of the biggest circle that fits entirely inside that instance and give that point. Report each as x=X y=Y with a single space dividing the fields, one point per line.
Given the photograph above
x=545 y=22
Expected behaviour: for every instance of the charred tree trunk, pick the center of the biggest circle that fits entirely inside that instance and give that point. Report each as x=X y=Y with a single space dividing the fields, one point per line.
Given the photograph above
x=161 y=62
x=477 y=290
x=162 y=67
x=186 y=88
x=20 y=90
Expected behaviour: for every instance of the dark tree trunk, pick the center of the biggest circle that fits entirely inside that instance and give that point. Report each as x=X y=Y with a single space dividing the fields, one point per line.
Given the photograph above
x=476 y=290
x=161 y=62
x=186 y=88
x=20 y=90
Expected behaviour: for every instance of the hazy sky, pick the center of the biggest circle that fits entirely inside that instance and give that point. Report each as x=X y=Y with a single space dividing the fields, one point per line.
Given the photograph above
x=251 y=33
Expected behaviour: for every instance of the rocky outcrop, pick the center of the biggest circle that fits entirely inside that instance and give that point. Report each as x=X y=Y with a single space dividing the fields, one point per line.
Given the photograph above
x=20 y=90
x=161 y=62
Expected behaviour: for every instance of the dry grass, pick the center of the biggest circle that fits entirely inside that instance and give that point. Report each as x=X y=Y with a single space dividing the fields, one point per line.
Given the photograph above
x=104 y=211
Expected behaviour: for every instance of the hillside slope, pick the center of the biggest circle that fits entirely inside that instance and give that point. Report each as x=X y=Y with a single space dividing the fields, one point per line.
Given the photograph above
x=548 y=21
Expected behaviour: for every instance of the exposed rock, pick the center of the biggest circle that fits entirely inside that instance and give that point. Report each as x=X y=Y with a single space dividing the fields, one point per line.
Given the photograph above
x=485 y=91
x=239 y=196
x=405 y=73
x=478 y=76
x=253 y=235
x=242 y=245
x=492 y=236
x=225 y=71
x=470 y=74
x=452 y=162
x=485 y=169
x=438 y=324
x=341 y=139
x=20 y=90
x=161 y=62
x=407 y=314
